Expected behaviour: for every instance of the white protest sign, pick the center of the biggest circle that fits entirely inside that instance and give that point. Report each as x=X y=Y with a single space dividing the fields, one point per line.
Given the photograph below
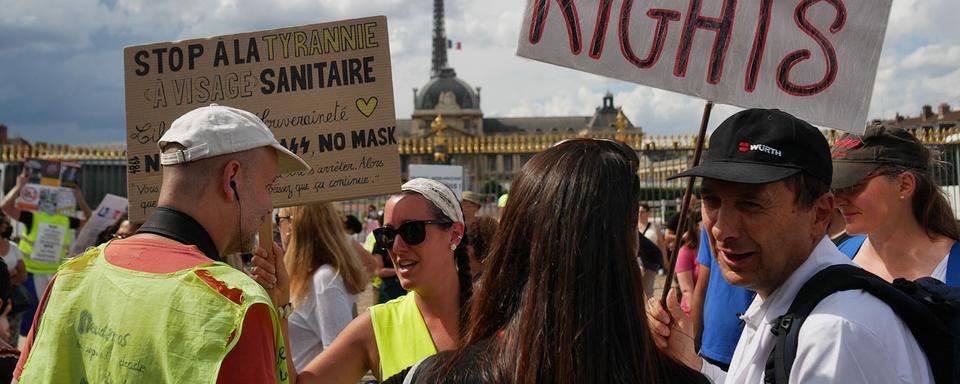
x=451 y=175
x=106 y=214
x=66 y=202
x=49 y=244
x=47 y=199
x=815 y=59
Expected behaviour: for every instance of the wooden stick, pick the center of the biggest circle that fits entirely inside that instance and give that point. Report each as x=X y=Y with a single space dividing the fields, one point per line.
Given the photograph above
x=266 y=237
x=687 y=196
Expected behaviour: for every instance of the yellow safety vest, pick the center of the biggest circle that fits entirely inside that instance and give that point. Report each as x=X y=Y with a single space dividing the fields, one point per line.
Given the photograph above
x=107 y=324
x=368 y=244
x=30 y=238
x=402 y=335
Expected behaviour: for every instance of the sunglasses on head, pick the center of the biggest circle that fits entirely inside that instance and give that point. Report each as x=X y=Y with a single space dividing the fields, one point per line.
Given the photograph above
x=412 y=232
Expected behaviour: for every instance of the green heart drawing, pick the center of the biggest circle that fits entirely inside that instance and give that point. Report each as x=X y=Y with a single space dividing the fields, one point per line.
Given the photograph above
x=366 y=107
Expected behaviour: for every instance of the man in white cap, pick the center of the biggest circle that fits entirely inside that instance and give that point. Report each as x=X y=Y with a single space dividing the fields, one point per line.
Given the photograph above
x=159 y=306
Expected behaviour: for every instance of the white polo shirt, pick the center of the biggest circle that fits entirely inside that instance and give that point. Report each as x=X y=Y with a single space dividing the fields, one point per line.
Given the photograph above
x=850 y=337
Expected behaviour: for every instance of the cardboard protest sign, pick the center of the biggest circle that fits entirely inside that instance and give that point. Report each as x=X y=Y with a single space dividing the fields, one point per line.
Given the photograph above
x=325 y=90
x=814 y=59
x=111 y=208
x=451 y=175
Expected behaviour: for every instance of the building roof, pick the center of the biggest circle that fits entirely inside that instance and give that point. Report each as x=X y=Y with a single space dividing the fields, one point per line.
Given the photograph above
x=545 y=125
x=605 y=116
x=942 y=117
x=607 y=121
x=17 y=140
x=518 y=125
x=429 y=96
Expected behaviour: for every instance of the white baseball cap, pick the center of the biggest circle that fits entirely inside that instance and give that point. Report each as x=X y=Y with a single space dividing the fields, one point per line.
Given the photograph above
x=217 y=130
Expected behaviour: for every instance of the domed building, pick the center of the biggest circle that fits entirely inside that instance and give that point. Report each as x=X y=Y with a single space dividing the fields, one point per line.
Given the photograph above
x=447 y=82
x=449 y=96
x=447 y=113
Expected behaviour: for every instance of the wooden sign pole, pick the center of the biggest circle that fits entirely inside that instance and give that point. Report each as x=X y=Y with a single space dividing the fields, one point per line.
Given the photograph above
x=684 y=209
x=266 y=237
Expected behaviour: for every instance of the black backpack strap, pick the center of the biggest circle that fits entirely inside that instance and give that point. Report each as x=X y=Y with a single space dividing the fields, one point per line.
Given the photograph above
x=786 y=328
x=924 y=324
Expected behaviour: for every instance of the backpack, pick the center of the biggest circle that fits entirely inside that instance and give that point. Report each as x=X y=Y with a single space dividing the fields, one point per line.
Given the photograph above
x=929 y=308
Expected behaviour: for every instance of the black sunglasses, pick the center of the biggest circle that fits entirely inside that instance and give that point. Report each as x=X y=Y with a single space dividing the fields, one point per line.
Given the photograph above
x=412 y=232
x=282 y=218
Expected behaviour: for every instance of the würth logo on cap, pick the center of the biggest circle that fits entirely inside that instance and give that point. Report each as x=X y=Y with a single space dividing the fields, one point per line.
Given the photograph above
x=745 y=147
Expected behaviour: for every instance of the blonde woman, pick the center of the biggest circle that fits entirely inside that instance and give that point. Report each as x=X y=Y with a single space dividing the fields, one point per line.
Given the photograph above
x=325 y=277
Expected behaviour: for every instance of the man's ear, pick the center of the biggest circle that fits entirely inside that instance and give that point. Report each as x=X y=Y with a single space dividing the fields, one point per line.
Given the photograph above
x=228 y=174
x=823 y=212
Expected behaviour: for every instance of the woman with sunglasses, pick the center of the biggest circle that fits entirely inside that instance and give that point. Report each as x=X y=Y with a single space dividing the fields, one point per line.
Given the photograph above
x=423 y=228
x=325 y=278
x=885 y=188
x=560 y=300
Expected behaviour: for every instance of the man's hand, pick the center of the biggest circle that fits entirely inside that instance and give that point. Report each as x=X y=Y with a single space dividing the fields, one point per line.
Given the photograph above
x=673 y=332
x=269 y=271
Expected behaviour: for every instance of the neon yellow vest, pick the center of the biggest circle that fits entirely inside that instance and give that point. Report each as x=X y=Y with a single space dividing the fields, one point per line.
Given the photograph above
x=28 y=240
x=368 y=244
x=402 y=335
x=107 y=324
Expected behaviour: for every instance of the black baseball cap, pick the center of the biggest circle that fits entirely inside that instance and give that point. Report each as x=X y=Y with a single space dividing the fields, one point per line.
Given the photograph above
x=855 y=156
x=759 y=146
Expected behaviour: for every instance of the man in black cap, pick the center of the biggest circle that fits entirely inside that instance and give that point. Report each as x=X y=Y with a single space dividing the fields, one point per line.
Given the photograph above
x=766 y=199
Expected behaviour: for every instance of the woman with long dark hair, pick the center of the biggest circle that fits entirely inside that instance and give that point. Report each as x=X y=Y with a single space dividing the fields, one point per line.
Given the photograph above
x=560 y=300
x=885 y=187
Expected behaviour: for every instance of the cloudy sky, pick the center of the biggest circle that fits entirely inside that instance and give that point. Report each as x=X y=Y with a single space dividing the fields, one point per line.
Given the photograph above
x=61 y=69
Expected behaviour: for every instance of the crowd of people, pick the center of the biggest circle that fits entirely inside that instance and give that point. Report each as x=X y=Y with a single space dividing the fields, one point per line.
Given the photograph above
x=557 y=287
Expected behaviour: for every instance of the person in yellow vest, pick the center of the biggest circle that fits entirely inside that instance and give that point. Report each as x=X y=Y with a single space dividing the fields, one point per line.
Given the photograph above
x=423 y=228
x=54 y=232
x=159 y=306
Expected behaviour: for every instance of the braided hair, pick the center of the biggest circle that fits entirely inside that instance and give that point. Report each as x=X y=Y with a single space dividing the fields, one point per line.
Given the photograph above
x=466 y=285
x=462 y=262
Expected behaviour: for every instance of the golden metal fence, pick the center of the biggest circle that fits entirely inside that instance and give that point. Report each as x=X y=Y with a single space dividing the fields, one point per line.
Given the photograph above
x=661 y=156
